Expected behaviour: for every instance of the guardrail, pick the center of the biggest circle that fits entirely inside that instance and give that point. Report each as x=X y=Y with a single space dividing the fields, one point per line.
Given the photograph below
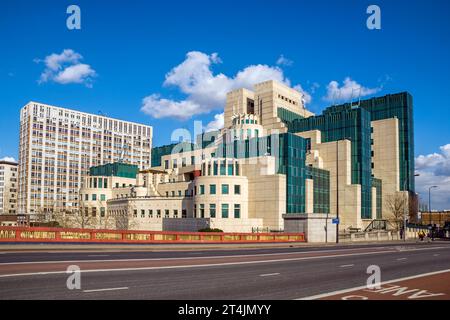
x=61 y=235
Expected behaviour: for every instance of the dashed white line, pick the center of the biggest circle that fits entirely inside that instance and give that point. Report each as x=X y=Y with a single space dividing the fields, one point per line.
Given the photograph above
x=226 y=256
x=98 y=255
x=269 y=274
x=106 y=289
x=346 y=265
x=436 y=255
x=401 y=259
x=197 y=265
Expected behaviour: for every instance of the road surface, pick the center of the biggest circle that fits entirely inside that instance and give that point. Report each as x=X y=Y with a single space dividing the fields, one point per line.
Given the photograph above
x=408 y=271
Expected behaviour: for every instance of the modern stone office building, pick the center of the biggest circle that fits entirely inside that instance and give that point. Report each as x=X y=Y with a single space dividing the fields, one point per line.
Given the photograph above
x=276 y=166
x=58 y=146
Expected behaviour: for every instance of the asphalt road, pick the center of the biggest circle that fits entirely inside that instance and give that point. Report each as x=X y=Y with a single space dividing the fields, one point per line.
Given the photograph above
x=269 y=273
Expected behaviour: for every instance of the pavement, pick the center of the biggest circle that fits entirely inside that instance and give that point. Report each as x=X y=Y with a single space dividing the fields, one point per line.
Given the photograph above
x=407 y=271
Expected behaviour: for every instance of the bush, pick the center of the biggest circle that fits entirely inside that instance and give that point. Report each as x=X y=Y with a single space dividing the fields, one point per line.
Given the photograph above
x=210 y=230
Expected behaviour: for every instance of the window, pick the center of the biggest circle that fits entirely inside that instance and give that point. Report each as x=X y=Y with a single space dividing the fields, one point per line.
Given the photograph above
x=230 y=169
x=102 y=212
x=105 y=183
x=175 y=213
x=212 y=210
x=224 y=210
x=166 y=164
x=215 y=168
x=212 y=189
x=142 y=213
x=103 y=197
x=95 y=183
x=175 y=163
x=225 y=189
x=183 y=213
x=150 y=213
x=237 y=211
x=195 y=211
x=100 y=183
x=117 y=185
x=94 y=197
x=173 y=193
x=179 y=193
x=237 y=189
x=86 y=197
x=202 y=210
x=192 y=160
x=222 y=168
x=135 y=213
x=158 y=213
x=237 y=168
x=202 y=189
x=166 y=214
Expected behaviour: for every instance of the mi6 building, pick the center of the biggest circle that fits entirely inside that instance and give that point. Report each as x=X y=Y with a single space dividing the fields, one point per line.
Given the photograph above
x=276 y=166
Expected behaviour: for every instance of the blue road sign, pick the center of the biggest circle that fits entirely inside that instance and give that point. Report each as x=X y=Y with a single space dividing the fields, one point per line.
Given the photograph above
x=335 y=221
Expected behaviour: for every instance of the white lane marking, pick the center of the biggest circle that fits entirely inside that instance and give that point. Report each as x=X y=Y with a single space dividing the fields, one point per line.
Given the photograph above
x=401 y=259
x=107 y=289
x=269 y=274
x=436 y=255
x=98 y=255
x=338 y=292
x=346 y=265
x=390 y=250
x=206 y=265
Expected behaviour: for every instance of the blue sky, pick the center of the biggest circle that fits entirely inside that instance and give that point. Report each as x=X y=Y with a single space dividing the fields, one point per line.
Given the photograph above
x=128 y=51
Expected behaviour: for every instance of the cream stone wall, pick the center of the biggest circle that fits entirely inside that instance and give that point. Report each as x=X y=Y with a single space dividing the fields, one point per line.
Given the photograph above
x=266 y=191
x=323 y=156
x=386 y=158
x=142 y=214
x=236 y=103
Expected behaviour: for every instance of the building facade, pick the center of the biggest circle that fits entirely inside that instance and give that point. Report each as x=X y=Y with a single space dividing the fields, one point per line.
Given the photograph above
x=275 y=166
x=58 y=146
x=8 y=187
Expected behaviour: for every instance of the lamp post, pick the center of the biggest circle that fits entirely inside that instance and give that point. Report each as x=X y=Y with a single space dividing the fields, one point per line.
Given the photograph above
x=405 y=211
x=429 y=199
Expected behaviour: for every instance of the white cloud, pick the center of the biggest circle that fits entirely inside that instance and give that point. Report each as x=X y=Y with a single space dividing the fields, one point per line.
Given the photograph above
x=159 y=107
x=434 y=170
x=8 y=159
x=216 y=124
x=66 y=68
x=283 y=61
x=349 y=89
x=307 y=98
x=204 y=90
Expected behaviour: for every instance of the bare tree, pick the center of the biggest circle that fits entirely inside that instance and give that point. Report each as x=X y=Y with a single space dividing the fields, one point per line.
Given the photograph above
x=396 y=204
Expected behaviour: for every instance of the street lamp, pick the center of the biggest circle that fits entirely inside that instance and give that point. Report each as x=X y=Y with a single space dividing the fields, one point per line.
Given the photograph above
x=405 y=211
x=429 y=199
